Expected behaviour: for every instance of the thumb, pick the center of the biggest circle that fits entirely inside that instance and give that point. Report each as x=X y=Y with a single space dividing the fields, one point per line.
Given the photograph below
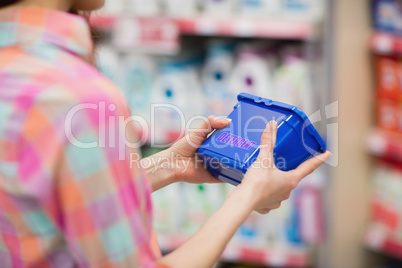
x=196 y=136
x=268 y=140
x=200 y=134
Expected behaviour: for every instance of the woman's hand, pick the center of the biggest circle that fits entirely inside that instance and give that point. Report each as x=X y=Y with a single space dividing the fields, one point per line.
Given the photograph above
x=187 y=166
x=180 y=162
x=266 y=186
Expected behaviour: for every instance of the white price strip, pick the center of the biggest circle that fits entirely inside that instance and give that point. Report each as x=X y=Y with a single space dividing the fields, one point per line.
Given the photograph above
x=231 y=253
x=376 y=236
x=277 y=258
x=170 y=31
x=206 y=26
x=127 y=33
x=244 y=28
x=377 y=144
x=383 y=44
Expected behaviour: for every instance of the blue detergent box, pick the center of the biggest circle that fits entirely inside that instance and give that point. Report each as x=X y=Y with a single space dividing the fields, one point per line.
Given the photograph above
x=229 y=152
x=387 y=16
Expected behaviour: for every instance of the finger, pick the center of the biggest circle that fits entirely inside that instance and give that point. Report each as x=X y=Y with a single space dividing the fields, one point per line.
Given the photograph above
x=264 y=211
x=312 y=164
x=198 y=135
x=218 y=123
x=268 y=140
x=277 y=205
x=208 y=125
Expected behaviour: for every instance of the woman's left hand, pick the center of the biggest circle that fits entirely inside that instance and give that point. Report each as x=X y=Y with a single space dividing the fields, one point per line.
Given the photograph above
x=188 y=167
x=180 y=162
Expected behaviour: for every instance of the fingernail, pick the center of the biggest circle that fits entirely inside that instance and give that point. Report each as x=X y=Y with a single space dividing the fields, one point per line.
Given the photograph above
x=224 y=120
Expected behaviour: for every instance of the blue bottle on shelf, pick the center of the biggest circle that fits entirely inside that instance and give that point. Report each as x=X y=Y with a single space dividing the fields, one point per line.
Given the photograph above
x=230 y=151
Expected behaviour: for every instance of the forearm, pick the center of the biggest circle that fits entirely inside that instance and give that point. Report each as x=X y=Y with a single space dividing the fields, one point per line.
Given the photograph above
x=206 y=246
x=159 y=169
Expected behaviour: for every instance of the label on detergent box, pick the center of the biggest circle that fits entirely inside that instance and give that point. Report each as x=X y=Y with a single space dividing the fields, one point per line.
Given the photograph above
x=234 y=140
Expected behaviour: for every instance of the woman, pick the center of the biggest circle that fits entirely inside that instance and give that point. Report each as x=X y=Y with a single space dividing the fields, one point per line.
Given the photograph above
x=63 y=205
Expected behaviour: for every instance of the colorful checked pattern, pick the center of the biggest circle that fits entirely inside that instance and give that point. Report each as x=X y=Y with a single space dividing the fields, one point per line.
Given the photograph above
x=61 y=205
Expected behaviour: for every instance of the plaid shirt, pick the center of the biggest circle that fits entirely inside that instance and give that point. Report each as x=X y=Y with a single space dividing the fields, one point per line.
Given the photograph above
x=62 y=205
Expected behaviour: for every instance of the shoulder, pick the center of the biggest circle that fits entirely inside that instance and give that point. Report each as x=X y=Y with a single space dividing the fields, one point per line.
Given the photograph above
x=85 y=83
x=74 y=82
x=57 y=76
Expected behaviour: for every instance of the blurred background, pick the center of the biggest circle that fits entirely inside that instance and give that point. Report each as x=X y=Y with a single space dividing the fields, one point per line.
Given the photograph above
x=338 y=60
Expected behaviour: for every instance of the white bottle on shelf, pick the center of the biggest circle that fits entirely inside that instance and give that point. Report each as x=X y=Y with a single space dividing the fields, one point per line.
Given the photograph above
x=168 y=209
x=177 y=90
x=292 y=81
x=215 y=77
x=181 y=7
x=138 y=79
x=144 y=8
x=303 y=9
x=115 y=7
x=108 y=62
x=253 y=71
x=201 y=202
x=218 y=7
x=259 y=8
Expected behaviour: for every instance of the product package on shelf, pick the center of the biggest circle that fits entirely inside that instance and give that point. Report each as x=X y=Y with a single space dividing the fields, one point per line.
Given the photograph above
x=385 y=228
x=259 y=8
x=389 y=92
x=177 y=96
x=292 y=80
x=201 y=201
x=253 y=70
x=144 y=8
x=139 y=75
x=113 y=8
x=218 y=66
x=218 y=8
x=168 y=209
x=180 y=7
x=108 y=62
x=303 y=8
x=389 y=75
x=387 y=16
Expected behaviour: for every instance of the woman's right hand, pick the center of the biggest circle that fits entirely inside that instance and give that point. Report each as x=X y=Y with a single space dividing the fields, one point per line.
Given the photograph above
x=264 y=185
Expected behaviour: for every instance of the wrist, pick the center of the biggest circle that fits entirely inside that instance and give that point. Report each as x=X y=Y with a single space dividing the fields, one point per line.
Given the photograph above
x=243 y=197
x=160 y=170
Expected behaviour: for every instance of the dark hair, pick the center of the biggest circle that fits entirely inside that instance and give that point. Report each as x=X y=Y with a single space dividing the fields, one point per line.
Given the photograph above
x=5 y=3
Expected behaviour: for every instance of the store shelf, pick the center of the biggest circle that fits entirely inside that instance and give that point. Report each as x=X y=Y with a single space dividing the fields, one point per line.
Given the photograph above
x=385 y=144
x=386 y=44
x=238 y=251
x=283 y=28
x=380 y=239
x=241 y=27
